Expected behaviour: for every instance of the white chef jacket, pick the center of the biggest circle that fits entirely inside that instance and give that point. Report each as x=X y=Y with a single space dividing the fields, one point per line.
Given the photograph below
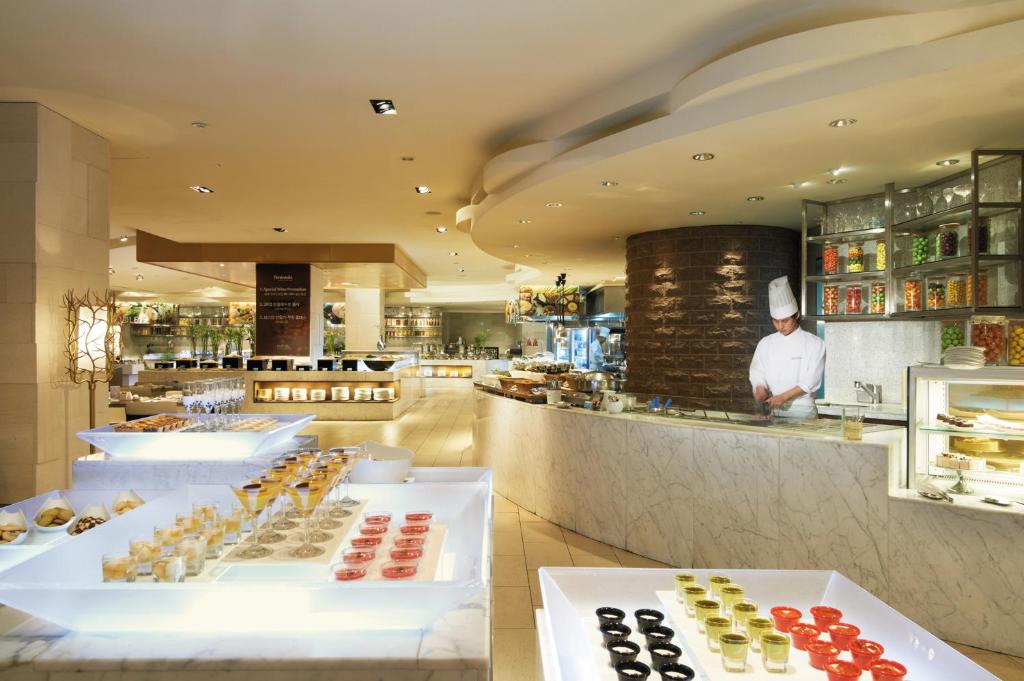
x=596 y=355
x=783 y=362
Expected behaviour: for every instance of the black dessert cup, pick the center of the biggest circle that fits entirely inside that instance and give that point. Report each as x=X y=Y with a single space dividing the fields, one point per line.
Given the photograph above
x=645 y=619
x=632 y=671
x=623 y=651
x=663 y=654
x=607 y=615
x=674 y=671
x=658 y=634
x=614 y=631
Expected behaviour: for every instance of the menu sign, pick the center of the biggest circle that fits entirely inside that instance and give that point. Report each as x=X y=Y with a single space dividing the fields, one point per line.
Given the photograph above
x=282 y=310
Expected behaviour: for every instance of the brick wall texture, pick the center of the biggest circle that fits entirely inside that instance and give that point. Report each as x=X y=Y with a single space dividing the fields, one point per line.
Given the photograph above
x=696 y=305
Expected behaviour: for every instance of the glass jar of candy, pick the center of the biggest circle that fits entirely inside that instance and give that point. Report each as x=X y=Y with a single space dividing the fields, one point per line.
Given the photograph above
x=982 y=289
x=952 y=334
x=919 y=250
x=1015 y=343
x=956 y=291
x=912 y=295
x=876 y=303
x=854 y=299
x=830 y=300
x=830 y=259
x=880 y=255
x=946 y=241
x=855 y=257
x=989 y=333
x=937 y=293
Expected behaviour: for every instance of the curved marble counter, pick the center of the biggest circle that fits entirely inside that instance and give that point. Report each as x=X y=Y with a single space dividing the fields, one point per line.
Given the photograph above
x=708 y=495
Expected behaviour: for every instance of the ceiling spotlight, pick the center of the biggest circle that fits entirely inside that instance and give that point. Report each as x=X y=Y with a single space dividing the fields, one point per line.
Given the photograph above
x=702 y=157
x=441 y=230
x=280 y=230
x=842 y=122
x=553 y=204
x=139 y=277
x=837 y=180
x=408 y=158
x=797 y=185
x=422 y=189
x=384 y=106
x=198 y=124
x=453 y=253
x=462 y=269
x=755 y=198
x=609 y=183
x=948 y=162
x=123 y=238
x=110 y=270
x=524 y=221
x=222 y=264
x=696 y=212
x=202 y=189
x=515 y=245
x=834 y=172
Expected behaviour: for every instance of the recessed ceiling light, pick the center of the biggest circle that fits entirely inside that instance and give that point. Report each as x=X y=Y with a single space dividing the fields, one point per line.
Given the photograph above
x=139 y=277
x=202 y=189
x=198 y=124
x=834 y=172
x=905 y=190
x=462 y=269
x=702 y=156
x=947 y=162
x=408 y=158
x=422 y=189
x=842 y=122
x=222 y=264
x=110 y=270
x=527 y=255
x=837 y=180
x=280 y=230
x=524 y=221
x=755 y=198
x=553 y=204
x=123 y=238
x=453 y=253
x=515 y=245
x=797 y=185
x=696 y=212
x=384 y=106
x=609 y=183
x=441 y=230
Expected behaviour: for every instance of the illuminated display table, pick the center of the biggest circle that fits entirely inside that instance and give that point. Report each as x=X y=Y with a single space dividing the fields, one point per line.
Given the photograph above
x=571 y=646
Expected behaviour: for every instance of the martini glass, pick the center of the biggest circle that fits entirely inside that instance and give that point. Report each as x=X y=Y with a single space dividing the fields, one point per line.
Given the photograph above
x=306 y=496
x=330 y=477
x=254 y=498
x=282 y=475
x=948 y=194
x=963 y=192
x=274 y=490
x=347 y=501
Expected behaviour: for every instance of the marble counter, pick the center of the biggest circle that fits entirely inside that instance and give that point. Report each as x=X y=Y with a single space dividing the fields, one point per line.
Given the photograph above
x=709 y=495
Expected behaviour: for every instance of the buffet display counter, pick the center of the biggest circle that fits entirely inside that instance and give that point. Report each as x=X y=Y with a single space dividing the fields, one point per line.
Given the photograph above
x=719 y=495
x=333 y=395
x=457 y=373
x=571 y=645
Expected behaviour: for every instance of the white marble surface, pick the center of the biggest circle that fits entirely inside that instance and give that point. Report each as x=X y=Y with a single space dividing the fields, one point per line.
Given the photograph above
x=706 y=495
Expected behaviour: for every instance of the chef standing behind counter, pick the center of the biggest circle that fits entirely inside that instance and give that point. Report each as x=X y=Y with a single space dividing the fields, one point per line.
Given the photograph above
x=788 y=365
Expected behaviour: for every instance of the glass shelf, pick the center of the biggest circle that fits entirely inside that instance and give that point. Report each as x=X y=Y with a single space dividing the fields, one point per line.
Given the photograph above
x=844 y=237
x=973 y=432
x=849 y=276
x=961 y=213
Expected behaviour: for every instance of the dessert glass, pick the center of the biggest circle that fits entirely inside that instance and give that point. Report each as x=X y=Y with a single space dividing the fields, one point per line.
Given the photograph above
x=865 y=653
x=705 y=608
x=775 y=653
x=717 y=582
x=715 y=626
x=306 y=496
x=743 y=610
x=193 y=549
x=144 y=550
x=730 y=594
x=119 y=567
x=214 y=535
x=254 y=498
x=734 y=651
x=169 y=569
x=233 y=525
x=756 y=628
x=683 y=580
x=692 y=594
x=785 y=617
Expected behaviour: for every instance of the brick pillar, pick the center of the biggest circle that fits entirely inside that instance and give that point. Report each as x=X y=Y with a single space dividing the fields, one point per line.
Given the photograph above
x=696 y=305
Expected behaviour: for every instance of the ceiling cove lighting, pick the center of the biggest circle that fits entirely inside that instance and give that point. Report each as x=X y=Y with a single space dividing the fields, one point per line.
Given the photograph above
x=753 y=199
x=697 y=212
x=201 y=188
x=422 y=189
x=704 y=156
x=842 y=122
x=384 y=107
x=947 y=162
x=441 y=230
x=553 y=204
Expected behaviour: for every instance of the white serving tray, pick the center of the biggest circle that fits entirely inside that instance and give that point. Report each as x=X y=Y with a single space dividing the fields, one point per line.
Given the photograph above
x=65 y=585
x=196 y=446
x=572 y=648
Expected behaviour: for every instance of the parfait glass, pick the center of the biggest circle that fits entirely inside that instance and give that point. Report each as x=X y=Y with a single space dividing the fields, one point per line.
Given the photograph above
x=306 y=495
x=254 y=498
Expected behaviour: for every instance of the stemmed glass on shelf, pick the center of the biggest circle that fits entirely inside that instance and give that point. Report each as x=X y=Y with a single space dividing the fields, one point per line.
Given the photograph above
x=254 y=498
x=307 y=495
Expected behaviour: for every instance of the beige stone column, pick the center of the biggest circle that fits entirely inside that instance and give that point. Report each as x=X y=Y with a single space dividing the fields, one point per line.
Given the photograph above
x=54 y=226
x=364 y=318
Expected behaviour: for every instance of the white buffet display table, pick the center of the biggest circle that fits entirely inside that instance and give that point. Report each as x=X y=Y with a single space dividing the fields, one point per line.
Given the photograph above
x=571 y=646
x=457 y=373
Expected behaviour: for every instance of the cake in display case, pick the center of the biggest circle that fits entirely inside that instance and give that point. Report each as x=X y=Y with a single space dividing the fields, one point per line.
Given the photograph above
x=967 y=431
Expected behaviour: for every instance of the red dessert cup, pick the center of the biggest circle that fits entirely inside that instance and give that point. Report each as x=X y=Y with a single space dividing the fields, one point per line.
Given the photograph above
x=373 y=529
x=367 y=541
x=802 y=634
x=409 y=542
x=419 y=516
x=865 y=652
x=820 y=653
x=824 y=616
x=841 y=670
x=406 y=554
x=349 y=573
x=785 y=617
x=842 y=634
x=398 y=570
x=378 y=518
x=355 y=557
x=887 y=670
x=418 y=528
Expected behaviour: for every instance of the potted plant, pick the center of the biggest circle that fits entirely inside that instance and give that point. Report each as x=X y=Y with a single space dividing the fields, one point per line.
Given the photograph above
x=195 y=335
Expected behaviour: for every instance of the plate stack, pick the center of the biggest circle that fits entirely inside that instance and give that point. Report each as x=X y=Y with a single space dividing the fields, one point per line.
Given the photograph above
x=364 y=394
x=964 y=358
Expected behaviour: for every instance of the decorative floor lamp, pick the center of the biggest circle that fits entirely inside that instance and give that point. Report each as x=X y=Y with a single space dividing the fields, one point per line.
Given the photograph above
x=90 y=339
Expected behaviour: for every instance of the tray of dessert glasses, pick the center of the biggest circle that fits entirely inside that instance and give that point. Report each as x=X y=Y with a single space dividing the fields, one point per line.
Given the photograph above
x=65 y=585
x=230 y=440
x=572 y=646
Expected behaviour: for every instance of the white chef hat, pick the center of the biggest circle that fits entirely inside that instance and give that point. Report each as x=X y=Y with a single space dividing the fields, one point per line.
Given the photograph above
x=781 y=300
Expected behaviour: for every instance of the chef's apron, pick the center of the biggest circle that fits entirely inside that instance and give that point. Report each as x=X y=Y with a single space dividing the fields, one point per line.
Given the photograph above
x=798 y=409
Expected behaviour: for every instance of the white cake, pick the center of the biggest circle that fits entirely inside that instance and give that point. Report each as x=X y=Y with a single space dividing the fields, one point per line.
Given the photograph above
x=960 y=462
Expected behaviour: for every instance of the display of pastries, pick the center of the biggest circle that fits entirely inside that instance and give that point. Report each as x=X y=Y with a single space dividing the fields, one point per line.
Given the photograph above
x=86 y=523
x=54 y=516
x=126 y=501
x=960 y=462
x=160 y=423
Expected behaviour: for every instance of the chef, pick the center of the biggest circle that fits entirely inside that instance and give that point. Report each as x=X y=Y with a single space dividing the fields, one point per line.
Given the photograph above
x=597 y=346
x=788 y=365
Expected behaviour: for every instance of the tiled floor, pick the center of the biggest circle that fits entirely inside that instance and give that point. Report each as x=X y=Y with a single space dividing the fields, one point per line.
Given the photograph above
x=439 y=430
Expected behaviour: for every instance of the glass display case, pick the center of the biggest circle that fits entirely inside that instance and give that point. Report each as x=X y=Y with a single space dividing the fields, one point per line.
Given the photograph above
x=967 y=429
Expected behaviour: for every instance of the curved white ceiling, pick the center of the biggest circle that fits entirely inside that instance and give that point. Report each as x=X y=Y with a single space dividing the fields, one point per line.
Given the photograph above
x=923 y=87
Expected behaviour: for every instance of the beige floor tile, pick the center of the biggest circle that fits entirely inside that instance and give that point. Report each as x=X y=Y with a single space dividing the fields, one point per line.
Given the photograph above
x=513 y=607
x=510 y=571
x=515 y=655
x=542 y=532
x=632 y=560
x=503 y=505
x=508 y=544
x=579 y=542
x=507 y=521
x=582 y=558
x=1006 y=667
x=547 y=554
x=534 y=578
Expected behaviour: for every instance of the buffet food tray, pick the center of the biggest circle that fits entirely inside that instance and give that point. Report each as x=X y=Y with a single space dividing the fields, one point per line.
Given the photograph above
x=571 y=643
x=64 y=585
x=188 y=445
